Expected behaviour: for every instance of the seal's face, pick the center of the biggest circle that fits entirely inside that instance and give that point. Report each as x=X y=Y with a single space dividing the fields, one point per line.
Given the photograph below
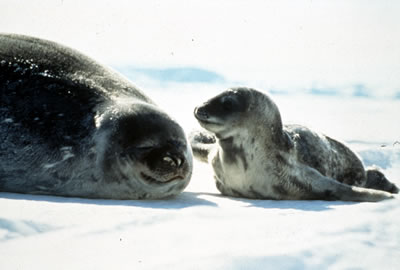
x=147 y=149
x=224 y=112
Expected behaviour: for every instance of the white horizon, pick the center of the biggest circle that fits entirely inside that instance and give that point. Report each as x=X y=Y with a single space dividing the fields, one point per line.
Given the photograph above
x=274 y=43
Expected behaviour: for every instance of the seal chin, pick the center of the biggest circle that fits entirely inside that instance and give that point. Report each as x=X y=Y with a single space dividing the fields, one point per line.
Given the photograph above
x=178 y=177
x=153 y=180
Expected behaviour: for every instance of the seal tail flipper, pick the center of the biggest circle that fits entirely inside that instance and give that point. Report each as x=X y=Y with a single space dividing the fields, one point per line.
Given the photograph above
x=202 y=143
x=320 y=187
x=377 y=180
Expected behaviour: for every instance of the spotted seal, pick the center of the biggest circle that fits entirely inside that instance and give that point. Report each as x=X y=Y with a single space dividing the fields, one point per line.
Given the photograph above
x=255 y=156
x=72 y=127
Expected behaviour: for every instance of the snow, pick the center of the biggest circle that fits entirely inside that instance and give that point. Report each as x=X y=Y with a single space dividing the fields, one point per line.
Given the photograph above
x=330 y=65
x=200 y=229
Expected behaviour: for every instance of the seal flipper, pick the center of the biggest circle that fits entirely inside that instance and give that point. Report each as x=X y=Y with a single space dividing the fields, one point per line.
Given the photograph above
x=202 y=143
x=324 y=188
x=377 y=180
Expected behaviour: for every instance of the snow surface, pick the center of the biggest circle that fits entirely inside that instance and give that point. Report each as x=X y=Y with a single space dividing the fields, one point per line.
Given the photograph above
x=200 y=229
x=330 y=65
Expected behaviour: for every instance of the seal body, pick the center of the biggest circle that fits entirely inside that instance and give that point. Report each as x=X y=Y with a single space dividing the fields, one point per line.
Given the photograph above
x=72 y=127
x=254 y=156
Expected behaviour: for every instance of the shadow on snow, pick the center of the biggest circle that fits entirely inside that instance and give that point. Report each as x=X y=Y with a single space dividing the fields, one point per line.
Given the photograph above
x=185 y=200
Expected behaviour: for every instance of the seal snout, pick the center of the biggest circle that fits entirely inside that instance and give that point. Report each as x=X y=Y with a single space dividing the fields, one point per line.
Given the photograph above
x=201 y=114
x=173 y=160
x=167 y=167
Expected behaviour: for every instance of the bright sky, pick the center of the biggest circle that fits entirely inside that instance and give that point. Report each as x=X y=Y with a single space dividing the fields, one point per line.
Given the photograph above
x=283 y=43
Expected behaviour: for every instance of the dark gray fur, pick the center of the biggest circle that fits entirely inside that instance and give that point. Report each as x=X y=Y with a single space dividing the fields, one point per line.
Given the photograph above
x=72 y=127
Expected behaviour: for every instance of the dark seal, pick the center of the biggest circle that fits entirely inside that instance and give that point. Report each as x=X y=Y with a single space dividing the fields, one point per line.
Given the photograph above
x=255 y=156
x=72 y=127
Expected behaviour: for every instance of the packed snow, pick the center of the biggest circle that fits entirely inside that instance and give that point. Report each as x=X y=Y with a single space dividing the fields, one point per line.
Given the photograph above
x=200 y=229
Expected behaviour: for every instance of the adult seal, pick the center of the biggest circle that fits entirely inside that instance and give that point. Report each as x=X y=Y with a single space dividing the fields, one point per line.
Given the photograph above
x=71 y=127
x=254 y=156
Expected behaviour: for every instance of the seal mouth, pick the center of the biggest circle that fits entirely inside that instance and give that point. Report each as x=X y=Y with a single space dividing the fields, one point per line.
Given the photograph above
x=152 y=180
x=178 y=177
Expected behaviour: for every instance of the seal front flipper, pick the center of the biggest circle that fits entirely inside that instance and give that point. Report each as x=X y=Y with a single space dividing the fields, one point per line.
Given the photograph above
x=315 y=186
x=202 y=143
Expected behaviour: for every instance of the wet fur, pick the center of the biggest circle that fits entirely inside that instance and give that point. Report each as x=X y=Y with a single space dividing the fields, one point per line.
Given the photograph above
x=254 y=156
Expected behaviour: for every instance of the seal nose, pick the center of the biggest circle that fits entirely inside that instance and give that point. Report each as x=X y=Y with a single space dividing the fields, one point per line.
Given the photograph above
x=173 y=160
x=200 y=113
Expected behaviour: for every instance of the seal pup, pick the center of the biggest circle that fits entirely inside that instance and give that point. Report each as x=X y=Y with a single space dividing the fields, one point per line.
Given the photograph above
x=72 y=127
x=254 y=156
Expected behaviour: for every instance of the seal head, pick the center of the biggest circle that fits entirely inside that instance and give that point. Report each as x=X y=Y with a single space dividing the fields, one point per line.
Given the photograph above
x=224 y=112
x=157 y=154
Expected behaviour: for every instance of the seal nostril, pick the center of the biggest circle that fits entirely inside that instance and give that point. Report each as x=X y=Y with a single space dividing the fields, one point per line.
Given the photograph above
x=200 y=113
x=170 y=161
x=173 y=161
x=197 y=111
x=179 y=162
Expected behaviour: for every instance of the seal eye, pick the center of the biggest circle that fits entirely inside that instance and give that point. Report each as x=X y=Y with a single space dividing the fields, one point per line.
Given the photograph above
x=227 y=104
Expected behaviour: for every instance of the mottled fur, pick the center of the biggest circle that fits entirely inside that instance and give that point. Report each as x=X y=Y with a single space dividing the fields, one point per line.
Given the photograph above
x=254 y=156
